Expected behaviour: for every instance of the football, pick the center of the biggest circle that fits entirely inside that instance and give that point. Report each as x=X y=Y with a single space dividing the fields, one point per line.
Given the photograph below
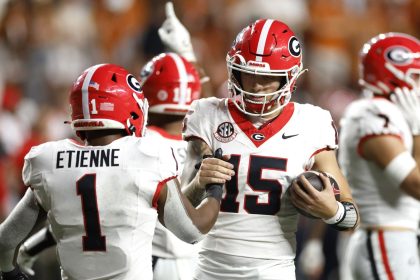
x=315 y=180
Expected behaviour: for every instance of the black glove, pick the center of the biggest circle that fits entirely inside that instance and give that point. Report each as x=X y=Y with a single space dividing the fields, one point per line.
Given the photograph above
x=15 y=274
x=215 y=190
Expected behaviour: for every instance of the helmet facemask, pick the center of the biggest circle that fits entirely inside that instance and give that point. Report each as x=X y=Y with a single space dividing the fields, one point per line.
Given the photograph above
x=260 y=103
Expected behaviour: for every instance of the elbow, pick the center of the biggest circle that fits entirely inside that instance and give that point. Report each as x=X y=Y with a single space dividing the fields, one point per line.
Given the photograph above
x=190 y=235
x=411 y=185
x=412 y=190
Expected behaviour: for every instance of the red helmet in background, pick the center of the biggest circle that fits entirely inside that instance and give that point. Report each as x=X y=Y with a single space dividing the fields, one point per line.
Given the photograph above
x=388 y=61
x=269 y=48
x=107 y=96
x=170 y=83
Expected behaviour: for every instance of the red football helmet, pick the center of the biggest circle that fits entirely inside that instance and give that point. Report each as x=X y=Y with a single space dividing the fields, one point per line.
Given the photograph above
x=107 y=96
x=170 y=83
x=269 y=48
x=388 y=61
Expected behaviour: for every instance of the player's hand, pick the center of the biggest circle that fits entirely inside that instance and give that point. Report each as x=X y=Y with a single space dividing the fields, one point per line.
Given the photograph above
x=409 y=103
x=175 y=36
x=26 y=262
x=320 y=204
x=15 y=274
x=214 y=171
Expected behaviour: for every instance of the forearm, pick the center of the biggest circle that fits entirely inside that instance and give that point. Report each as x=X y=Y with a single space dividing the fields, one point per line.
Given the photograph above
x=206 y=214
x=194 y=193
x=416 y=149
x=16 y=228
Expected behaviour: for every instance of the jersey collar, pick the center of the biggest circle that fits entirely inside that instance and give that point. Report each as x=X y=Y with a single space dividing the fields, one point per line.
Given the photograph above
x=258 y=136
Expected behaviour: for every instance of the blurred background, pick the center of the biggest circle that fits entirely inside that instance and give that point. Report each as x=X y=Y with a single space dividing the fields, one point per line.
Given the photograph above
x=45 y=44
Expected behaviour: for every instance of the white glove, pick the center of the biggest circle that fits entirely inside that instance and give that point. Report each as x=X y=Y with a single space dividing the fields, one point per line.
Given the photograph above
x=312 y=259
x=175 y=36
x=408 y=102
x=25 y=261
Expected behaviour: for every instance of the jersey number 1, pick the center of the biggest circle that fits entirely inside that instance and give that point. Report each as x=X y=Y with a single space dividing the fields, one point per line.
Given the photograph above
x=86 y=188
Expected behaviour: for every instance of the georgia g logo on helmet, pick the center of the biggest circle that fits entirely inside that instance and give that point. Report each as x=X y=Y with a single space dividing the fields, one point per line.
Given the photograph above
x=133 y=83
x=294 y=46
x=398 y=55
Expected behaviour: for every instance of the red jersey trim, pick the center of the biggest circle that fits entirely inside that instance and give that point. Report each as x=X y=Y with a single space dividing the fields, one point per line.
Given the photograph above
x=384 y=255
x=369 y=136
x=164 y=133
x=320 y=150
x=159 y=189
x=268 y=129
x=75 y=142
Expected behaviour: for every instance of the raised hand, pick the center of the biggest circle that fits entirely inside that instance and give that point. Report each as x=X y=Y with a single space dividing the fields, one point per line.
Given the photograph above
x=175 y=36
x=409 y=103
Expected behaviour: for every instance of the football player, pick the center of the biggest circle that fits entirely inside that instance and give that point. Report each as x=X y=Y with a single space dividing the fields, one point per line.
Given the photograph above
x=170 y=83
x=102 y=198
x=380 y=144
x=270 y=141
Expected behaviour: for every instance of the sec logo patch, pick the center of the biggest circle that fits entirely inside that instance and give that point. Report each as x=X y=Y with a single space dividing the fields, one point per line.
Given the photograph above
x=225 y=132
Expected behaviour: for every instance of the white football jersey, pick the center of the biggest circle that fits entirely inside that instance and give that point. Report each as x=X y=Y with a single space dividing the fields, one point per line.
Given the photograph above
x=257 y=219
x=380 y=204
x=101 y=203
x=165 y=243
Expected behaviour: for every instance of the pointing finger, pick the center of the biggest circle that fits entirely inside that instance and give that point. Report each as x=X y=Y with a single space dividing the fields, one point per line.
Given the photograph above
x=169 y=9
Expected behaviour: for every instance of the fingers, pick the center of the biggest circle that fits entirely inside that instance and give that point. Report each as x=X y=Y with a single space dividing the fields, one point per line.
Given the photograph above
x=326 y=182
x=169 y=10
x=307 y=187
x=298 y=194
x=213 y=170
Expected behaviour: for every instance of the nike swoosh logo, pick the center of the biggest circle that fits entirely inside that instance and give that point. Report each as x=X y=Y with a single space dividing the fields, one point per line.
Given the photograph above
x=284 y=136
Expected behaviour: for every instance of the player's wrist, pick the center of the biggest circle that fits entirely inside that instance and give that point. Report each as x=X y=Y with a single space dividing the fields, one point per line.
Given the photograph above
x=338 y=216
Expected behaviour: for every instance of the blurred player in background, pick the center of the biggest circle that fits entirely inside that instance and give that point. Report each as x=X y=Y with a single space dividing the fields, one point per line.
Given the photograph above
x=270 y=141
x=170 y=83
x=380 y=156
x=103 y=197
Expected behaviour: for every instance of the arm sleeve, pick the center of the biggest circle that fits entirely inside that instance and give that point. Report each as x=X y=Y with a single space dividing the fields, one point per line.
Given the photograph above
x=17 y=227
x=176 y=218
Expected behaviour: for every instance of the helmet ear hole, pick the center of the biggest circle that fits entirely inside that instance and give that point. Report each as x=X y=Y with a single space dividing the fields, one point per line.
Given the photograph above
x=114 y=78
x=134 y=116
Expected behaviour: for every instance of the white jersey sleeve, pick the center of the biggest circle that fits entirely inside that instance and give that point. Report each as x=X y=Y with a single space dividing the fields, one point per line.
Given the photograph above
x=320 y=124
x=31 y=174
x=198 y=119
x=380 y=118
x=165 y=166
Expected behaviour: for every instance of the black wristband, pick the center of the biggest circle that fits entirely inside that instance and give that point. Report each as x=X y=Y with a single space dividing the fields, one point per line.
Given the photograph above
x=15 y=274
x=215 y=191
x=47 y=241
